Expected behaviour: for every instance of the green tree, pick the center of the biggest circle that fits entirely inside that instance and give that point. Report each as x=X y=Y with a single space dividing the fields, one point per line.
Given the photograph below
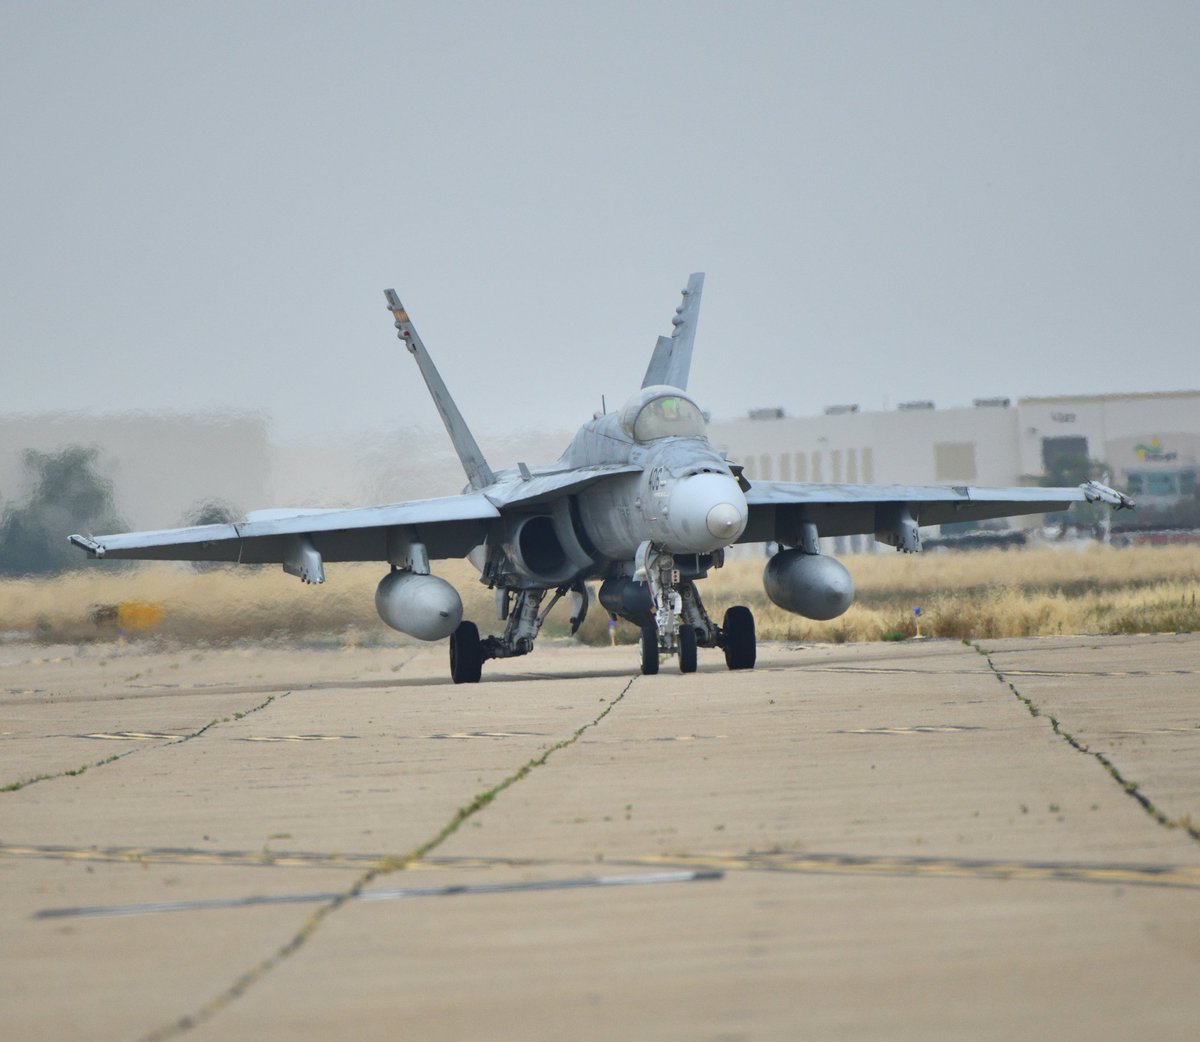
x=68 y=495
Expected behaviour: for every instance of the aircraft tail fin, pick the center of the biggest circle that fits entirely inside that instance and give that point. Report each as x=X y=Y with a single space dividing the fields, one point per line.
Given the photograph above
x=479 y=474
x=672 y=358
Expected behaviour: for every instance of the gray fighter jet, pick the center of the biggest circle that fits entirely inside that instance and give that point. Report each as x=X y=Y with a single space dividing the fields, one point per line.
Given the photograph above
x=639 y=501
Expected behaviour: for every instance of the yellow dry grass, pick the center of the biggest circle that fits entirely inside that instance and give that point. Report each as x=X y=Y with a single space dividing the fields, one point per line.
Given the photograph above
x=994 y=593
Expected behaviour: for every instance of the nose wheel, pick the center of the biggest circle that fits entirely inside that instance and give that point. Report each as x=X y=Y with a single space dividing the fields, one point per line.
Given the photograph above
x=680 y=623
x=649 y=648
x=687 y=649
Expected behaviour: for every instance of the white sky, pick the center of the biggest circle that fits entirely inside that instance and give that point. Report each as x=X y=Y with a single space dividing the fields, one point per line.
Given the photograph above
x=203 y=202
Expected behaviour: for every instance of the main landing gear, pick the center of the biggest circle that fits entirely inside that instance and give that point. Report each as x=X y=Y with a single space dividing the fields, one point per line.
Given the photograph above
x=524 y=614
x=664 y=604
x=466 y=654
x=736 y=637
x=740 y=644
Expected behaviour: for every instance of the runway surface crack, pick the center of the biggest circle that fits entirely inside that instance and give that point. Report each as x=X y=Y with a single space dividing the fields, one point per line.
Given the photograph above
x=385 y=867
x=74 y=772
x=1130 y=788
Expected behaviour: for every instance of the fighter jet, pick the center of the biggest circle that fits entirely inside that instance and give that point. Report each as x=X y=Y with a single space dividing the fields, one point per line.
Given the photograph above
x=639 y=501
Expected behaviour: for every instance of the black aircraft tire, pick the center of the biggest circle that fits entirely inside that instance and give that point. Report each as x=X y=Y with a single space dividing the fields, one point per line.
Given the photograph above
x=741 y=648
x=687 y=649
x=649 y=645
x=466 y=654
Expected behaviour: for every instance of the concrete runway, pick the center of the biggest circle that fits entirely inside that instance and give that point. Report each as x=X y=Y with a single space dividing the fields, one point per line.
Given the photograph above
x=926 y=840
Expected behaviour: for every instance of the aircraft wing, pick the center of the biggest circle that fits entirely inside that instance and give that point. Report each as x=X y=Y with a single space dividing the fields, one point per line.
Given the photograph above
x=449 y=527
x=776 y=507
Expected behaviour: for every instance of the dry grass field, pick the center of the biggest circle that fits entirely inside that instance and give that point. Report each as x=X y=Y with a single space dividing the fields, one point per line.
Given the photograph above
x=997 y=593
x=1031 y=592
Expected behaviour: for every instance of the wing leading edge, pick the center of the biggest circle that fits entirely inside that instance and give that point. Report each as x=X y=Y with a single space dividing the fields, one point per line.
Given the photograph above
x=778 y=509
x=449 y=527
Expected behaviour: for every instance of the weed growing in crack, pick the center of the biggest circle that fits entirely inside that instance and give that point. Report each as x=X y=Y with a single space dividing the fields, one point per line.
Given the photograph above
x=1131 y=788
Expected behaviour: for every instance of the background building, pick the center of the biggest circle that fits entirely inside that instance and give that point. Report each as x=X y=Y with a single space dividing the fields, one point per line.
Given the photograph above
x=1149 y=444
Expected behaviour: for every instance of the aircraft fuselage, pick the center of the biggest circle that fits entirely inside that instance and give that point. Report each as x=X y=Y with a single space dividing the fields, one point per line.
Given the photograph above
x=684 y=500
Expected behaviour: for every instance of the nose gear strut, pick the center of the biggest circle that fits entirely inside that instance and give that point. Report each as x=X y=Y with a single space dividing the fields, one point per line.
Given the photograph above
x=680 y=622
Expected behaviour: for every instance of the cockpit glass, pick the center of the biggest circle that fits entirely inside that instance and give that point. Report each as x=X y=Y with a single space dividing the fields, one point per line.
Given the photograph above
x=668 y=417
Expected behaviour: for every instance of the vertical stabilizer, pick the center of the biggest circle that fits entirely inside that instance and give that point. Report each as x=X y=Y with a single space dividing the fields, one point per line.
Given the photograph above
x=672 y=358
x=479 y=474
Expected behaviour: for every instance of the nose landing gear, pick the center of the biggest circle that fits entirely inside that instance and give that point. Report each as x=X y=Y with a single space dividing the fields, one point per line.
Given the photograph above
x=650 y=648
x=680 y=624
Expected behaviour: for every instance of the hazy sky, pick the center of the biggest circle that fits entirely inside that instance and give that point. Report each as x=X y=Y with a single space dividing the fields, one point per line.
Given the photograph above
x=203 y=203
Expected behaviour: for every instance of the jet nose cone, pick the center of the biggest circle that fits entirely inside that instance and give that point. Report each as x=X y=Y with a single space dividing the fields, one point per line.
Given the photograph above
x=707 y=511
x=726 y=521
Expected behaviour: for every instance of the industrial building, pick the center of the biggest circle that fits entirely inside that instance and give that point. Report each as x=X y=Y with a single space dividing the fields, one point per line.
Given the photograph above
x=1149 y=443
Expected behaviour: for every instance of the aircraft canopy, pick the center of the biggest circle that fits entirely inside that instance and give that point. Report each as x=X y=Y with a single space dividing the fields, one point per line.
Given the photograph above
x=662 y=412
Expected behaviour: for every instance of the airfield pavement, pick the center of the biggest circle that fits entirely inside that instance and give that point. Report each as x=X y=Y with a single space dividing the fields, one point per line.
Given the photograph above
x=928 y=840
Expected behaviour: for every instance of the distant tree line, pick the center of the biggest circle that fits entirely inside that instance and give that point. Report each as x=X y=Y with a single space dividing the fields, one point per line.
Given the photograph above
x=67 y=494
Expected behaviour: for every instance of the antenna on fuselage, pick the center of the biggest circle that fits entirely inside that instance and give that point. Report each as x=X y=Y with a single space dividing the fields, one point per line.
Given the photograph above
x=479 y=474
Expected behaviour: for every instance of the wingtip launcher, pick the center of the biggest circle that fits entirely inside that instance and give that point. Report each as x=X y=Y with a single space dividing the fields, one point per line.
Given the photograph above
x=93 y=548
x=1094 y=492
